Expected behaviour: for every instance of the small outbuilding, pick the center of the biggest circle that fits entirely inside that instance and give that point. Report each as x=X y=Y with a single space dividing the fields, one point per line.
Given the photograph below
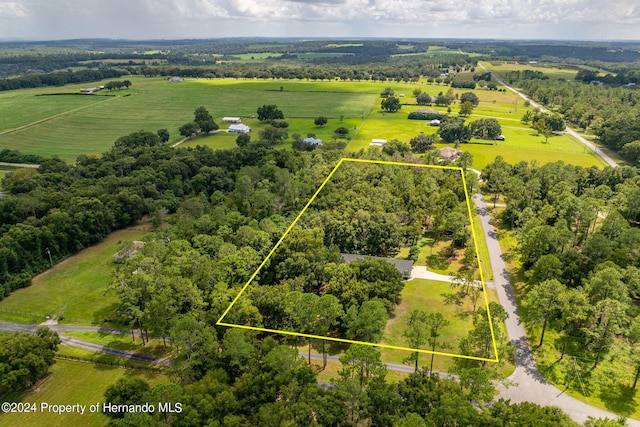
x=311 y=140
x=378 y=142
x=239 y=128
x=449 y=153
x=232 y=120
x=175 y=79
x=434 y=122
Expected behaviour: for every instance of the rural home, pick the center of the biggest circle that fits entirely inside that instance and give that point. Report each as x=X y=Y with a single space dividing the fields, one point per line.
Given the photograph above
x=175 y=79
x=232 y=120
x=378 y=142
x=434 y=122
x=239 y=128
x=448 y=153
x=89 y=89
x=314 y=141
x=404 y=266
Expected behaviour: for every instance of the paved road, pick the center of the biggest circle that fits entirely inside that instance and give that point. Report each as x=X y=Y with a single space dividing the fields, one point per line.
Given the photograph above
x=531 y=385
x=570 y=131
x=14 y=327
x=391 y=366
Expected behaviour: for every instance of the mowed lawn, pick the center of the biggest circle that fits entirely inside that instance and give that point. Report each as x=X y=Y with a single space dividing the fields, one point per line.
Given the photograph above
x=521 y=143
x=74 y=288
x=429 y=296
x=153 y=103
x=72 y=383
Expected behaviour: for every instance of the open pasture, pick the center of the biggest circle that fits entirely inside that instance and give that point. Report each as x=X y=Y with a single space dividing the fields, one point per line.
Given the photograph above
x=522 y=143
x=74 y=288
x=89 y=384
x=552 y=71
x=20 y=108
x=153 y=103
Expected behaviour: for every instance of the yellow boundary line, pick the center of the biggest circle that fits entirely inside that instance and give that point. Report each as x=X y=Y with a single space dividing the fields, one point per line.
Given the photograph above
x=475 y=242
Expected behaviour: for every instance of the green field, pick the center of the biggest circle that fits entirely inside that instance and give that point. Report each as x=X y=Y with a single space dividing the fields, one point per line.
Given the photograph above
x=154 y=104
x=75 y=125
x=554 y=72
x=89 y=383
x=74 y=288
x=429 y=296
x=521 y=143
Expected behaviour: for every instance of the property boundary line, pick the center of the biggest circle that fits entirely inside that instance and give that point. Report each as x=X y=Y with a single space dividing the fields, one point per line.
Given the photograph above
x=220 y=321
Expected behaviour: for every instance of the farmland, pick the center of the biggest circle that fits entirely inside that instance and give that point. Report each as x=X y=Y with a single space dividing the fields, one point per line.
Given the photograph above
x=68 y=126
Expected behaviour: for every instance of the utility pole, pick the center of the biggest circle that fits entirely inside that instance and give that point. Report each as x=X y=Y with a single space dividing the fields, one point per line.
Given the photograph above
x=49 y=253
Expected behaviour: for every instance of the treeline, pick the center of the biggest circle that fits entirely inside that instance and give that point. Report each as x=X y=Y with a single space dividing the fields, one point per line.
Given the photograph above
x=578 y=232
x=14 y=156
x=258 y=382
x=611 y=113
x=25 y=358
x=60 y=209
x=60 y=78
x=629 y=77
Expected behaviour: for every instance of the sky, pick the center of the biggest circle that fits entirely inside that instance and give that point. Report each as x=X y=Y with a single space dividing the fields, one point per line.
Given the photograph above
x=175 y=19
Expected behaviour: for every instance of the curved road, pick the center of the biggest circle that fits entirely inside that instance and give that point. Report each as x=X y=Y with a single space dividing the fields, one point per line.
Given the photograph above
x=530 y=386
x=570 y=131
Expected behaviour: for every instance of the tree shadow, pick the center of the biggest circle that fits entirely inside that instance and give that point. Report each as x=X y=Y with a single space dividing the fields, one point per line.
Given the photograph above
x=105 y=315
x=619 y=398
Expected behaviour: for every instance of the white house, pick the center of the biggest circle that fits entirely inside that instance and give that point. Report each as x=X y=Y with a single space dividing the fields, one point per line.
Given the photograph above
x=239 y=128
x=434 y=122
x=378 y=142
x=232 y=119
x=314 y=141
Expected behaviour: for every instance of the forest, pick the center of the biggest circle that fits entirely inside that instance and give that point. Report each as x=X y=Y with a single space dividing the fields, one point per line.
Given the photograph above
x=225 y=211
x=578 y=253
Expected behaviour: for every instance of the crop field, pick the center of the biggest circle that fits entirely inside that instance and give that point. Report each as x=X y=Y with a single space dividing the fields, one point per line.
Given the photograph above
x=74 y=288
x=89 y=384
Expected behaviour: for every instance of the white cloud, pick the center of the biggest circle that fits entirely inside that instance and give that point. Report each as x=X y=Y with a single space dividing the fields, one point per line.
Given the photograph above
x=230 y=18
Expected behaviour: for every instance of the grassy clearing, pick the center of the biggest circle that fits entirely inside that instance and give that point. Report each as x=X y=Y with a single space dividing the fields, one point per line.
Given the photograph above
x=89 y=384
x=121 y=342
x=429 y=295
x=74 y=288
x=330 y=373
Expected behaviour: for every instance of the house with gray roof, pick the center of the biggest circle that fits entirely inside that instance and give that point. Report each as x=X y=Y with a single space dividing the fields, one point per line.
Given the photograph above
x=404 y=266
